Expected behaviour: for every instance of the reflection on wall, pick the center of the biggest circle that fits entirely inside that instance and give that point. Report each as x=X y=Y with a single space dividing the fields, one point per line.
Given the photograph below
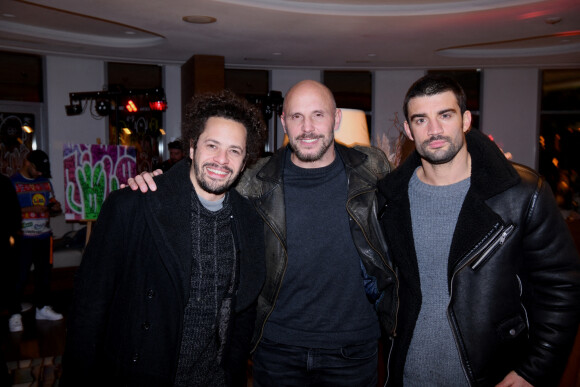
x=15 y=143
x=141 y=130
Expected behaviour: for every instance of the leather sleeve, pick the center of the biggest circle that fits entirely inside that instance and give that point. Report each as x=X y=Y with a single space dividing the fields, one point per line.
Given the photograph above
x=551 y=289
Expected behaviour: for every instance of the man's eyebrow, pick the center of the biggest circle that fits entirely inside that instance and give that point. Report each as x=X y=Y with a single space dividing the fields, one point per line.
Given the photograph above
x=417 y=115
x=214 y=141
x=447 y=111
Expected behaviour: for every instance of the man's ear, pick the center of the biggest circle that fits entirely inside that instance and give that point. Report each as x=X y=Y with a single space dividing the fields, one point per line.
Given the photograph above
x=408 y=131
x=337 y=119
x=466 y=121
x=282 y=120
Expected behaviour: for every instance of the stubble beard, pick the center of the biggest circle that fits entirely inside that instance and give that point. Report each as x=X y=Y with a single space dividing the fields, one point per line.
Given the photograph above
x=439 y=156
x=310 y=157
x=212 y=186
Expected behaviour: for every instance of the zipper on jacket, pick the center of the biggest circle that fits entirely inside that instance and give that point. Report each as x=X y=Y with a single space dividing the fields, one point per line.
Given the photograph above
x=498 y=239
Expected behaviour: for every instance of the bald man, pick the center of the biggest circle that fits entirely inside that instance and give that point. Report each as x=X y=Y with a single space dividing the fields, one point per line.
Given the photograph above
x=328 y=272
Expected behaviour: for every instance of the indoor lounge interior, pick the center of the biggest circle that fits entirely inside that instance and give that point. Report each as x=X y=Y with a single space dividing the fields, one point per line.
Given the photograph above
x=71 y=73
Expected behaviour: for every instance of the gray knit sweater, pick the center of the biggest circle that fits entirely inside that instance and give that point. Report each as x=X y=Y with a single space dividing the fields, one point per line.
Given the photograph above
x=433 y=358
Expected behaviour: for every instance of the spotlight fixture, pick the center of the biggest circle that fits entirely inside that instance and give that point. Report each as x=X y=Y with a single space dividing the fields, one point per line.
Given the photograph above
x=157 y=100
x=73 y=109
x=103 y=107
x=133 y=101
x=131 y=107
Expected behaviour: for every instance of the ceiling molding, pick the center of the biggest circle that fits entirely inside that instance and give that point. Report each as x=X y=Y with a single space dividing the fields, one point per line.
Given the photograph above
x=394 y=8
x=139 y=39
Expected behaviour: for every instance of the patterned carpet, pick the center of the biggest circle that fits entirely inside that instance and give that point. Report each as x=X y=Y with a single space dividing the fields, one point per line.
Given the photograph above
x=41 y=372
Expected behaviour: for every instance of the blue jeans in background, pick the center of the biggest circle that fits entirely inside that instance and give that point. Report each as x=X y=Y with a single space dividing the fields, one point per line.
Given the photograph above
x=286 y=365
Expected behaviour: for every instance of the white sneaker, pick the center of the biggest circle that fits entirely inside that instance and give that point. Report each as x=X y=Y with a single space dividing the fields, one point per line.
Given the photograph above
x=15 y=323
x=46 y=313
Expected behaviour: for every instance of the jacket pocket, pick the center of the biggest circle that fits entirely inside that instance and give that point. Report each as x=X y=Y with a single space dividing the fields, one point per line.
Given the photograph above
x=486 y=251
x=511 y=328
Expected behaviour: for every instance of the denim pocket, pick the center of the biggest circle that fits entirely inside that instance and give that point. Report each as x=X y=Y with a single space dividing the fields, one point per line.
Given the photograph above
x=360 y=352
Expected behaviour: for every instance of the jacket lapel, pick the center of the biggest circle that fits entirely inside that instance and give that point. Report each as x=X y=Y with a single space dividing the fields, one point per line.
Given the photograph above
x=169 y=220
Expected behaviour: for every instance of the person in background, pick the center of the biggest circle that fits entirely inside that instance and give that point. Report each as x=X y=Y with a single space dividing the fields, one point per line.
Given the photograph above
x=489 y=275
x=176 y=153
x=330 y=290
x=10 y=230
x=37 y=204
x=166 y=291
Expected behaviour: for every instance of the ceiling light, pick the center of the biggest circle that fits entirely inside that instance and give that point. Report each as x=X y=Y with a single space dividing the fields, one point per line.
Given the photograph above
x=199 y=19
x=127 y=131
x=553 y=20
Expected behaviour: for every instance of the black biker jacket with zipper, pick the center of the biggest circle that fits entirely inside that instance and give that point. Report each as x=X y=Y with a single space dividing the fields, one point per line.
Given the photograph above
x=513 y=272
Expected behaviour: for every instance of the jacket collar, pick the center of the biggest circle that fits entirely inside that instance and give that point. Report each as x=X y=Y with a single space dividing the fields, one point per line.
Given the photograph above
x=491 y=172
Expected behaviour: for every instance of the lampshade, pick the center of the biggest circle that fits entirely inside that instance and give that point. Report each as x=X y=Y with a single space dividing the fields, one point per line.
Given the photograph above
x=353 y=129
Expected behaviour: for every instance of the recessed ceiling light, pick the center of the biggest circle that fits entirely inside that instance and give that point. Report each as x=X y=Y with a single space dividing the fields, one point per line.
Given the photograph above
x=553 y=20
x=199 y=19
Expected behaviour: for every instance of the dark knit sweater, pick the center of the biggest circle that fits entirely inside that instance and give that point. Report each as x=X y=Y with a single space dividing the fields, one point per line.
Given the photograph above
x=211 y=279
x=322 y=302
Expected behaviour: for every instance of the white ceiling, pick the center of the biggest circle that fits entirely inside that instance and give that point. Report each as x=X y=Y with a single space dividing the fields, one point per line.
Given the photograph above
x=336 y=34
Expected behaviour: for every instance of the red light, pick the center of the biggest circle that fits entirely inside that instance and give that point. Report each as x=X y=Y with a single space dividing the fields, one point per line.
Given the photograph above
x=131 y=107
x=158 y=105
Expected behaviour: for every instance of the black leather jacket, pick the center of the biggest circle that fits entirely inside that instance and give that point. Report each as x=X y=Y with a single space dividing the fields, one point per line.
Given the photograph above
x=364 y=166
x=513 y=272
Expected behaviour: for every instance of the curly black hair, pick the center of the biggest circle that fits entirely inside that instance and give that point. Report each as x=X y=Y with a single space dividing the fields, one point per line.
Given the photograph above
x=224 y=104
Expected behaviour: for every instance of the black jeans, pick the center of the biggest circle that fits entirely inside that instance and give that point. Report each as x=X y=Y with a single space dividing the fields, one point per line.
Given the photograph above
x=37 y=252
x=285 y=365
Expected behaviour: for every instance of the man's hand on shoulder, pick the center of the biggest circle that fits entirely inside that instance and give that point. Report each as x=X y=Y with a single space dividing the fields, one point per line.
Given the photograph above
x=143 y=181
x=514 y=380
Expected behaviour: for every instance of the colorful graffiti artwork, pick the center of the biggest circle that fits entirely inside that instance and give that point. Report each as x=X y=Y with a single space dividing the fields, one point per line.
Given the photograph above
x=91 y=172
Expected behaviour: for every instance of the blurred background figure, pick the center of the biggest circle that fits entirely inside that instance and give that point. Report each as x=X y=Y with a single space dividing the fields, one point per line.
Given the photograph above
x=175 y=154
x=37 y=203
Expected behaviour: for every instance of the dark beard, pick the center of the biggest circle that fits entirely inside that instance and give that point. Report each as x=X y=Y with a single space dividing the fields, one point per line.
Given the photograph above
x=435 y=158
x=213 y=189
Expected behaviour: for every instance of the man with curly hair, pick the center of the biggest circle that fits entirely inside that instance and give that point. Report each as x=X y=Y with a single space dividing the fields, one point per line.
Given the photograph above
x=166 y=292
